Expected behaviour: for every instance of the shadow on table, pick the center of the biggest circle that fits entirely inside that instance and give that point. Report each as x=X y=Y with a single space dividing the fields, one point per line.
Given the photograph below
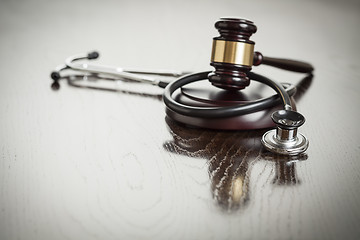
x=93 y=82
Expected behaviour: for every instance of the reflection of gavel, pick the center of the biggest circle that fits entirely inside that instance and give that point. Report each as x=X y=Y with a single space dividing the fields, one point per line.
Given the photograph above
x=233 y=55
x=230 y=180
x=230 y=158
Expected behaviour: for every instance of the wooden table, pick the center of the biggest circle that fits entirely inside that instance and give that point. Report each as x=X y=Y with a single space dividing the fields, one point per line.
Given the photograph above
x=89 y=164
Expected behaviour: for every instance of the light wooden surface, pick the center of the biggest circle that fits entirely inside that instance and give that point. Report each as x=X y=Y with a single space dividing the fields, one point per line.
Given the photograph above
x=88 y=164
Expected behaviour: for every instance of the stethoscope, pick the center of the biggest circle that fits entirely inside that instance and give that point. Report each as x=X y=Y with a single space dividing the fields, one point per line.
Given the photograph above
x=232 y=57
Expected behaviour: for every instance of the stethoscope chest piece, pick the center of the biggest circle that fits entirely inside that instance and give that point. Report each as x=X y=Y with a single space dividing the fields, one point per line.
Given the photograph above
x=285 y=139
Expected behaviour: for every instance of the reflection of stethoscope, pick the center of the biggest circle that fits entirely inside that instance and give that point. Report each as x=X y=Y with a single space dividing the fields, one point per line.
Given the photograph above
x=232 y=56
x=230 y=161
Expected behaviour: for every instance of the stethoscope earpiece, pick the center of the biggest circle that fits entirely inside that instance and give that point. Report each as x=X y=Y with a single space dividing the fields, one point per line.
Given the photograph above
x=285 y=139
x=55 y=75
x=93 y=55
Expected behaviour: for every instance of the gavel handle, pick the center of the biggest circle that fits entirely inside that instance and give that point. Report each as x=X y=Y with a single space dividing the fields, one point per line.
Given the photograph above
x=286 y=64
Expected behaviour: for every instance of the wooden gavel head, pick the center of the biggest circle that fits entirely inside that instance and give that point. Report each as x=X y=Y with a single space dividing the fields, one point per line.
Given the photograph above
x=232 y=53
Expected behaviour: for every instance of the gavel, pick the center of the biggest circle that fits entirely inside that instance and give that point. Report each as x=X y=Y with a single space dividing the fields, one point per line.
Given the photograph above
x=233 y=55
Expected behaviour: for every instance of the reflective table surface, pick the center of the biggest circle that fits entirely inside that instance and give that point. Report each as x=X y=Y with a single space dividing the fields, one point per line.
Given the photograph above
x=84 y=163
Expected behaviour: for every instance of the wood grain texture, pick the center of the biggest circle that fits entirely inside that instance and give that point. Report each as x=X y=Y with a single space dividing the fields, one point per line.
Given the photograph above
x=91 y=164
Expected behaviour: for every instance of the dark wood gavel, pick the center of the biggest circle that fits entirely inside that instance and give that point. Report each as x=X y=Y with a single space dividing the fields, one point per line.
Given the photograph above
x=233 y=55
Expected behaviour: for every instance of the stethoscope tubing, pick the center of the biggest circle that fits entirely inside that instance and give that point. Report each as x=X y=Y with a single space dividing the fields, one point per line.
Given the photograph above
x=282 y=96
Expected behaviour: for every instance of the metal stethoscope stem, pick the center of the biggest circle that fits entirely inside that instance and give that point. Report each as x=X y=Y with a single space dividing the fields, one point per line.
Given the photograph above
x=108 y=71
